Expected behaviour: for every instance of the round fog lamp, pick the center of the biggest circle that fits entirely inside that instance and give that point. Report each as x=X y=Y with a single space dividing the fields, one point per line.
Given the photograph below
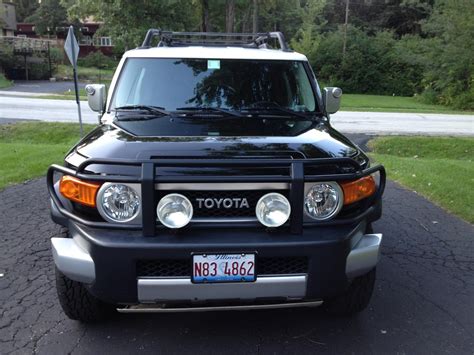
x=273 y=210
x=118 y=202
x=174 y=211
x=323 y=200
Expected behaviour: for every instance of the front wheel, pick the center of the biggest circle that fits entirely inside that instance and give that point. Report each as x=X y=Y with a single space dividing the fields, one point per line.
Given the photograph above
x=355 y=299
x=78 y=303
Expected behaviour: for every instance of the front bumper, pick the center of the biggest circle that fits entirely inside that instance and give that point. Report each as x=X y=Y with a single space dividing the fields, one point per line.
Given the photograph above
x=106 y=261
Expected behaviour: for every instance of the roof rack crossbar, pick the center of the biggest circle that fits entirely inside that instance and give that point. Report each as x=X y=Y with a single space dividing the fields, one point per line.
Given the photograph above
x=257 y=40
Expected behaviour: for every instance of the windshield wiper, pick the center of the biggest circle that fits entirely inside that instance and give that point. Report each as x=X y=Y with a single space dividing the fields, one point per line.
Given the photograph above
x=268 y=109
x=152 y=112
x=210 y=109
x=149 y=108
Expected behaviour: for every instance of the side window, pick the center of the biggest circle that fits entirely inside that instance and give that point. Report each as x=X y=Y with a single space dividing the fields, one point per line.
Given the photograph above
x=103 y=41
x=305 y=91
x=86 y=41
x=131 y=78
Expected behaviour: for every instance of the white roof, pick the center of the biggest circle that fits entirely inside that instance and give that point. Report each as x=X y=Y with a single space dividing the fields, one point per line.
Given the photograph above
x=214 y=53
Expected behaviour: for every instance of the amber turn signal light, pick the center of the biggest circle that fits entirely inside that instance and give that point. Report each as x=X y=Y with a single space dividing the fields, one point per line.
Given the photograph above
x=359 y=189
x=78 y=190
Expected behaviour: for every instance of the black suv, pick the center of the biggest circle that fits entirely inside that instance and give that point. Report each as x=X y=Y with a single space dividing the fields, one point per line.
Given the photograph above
x=214 y=181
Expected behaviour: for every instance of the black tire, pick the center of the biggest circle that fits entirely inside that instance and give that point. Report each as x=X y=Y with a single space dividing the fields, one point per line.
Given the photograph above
x=78 y=303
x=355 y=299
x=75 y=299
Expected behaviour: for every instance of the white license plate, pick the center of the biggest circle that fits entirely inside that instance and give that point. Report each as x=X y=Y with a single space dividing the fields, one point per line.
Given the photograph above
x=223 y=268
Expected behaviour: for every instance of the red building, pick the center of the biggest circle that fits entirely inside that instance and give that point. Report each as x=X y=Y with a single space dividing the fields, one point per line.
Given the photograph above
x=25 y=30
x=88 y=40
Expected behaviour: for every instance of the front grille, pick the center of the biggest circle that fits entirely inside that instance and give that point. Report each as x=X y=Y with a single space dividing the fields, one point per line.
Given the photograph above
x=282 y=266
x=201 y=211
x=182 y=267
x=163 y=268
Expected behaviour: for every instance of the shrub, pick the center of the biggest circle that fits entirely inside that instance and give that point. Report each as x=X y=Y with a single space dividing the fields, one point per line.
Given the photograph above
x=4 y=82
x=57 y=55
x=97 y=60
x=7 y=59
x=429 y=96
x=38 y=70
x=450 y=74
x=372 y=64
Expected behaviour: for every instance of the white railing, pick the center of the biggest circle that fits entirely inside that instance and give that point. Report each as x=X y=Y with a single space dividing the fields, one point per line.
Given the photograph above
x=24 y=44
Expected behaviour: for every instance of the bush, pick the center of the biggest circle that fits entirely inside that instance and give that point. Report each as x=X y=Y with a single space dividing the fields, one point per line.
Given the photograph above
x=372 y=64
x=4 y=82
x=57 y=55
x=450 y=75
x=38 y=70
x=7 y=59
x=429 y=96
x=97 y=60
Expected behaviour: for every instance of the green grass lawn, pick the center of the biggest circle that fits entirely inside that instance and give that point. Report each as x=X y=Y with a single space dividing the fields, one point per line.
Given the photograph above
x=90 y=74
x=28 y=148
x=386 y=103
x=359 y=102
x=4 y=82
x=442 y=169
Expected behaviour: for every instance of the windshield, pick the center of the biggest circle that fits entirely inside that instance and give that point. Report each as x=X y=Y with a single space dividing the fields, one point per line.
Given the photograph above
x=231 y=84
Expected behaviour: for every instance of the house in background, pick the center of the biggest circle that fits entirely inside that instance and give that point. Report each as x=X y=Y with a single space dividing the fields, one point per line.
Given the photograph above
x=25 y=30
x=89 y=41
x=7 y=18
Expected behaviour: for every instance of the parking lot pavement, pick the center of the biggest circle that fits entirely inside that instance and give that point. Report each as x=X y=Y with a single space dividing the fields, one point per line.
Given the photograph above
x=423 y=302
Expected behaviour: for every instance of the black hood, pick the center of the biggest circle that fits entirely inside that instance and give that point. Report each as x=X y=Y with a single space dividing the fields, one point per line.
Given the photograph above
x=320 y=141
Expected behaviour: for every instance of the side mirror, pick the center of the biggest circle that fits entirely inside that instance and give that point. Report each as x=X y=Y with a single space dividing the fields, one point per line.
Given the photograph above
x=96 y=97
x=332 y=99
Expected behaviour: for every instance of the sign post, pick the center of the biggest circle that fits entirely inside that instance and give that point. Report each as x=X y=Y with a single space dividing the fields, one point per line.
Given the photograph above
x=72 y=51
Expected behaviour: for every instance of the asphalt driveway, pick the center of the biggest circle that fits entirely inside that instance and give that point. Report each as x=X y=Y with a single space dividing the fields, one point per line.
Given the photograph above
x=42 y=86
x=423 y=302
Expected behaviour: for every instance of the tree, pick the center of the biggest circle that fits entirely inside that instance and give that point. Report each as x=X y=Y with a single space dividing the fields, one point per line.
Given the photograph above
x=229 y=15
x=373 y=64
x=308 y=36
x=401 y=16
x=128 y=21
x=449 y=79
x=49 y=15
x=205 y=26
x=25 y=8
x=280 y=15
x=255 y=16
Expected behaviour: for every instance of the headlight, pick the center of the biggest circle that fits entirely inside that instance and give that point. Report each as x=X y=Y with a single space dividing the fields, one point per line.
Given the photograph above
x=174 y=211
x=118 y=202
x=323 y=200
x=273 y=209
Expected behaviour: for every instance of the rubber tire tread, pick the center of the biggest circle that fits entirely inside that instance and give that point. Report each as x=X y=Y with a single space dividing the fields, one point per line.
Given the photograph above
x=76 y=301
x=355 y=299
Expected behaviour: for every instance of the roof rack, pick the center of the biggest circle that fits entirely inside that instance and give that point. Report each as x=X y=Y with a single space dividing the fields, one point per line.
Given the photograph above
x=247 y=40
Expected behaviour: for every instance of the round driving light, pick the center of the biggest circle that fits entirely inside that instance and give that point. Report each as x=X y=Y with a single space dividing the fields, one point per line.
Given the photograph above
x=118 y=202
x=273 y=210
x=323 y=200
x=174 y=211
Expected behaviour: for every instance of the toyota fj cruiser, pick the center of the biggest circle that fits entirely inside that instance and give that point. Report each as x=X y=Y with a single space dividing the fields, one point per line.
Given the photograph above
x=214 y=181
